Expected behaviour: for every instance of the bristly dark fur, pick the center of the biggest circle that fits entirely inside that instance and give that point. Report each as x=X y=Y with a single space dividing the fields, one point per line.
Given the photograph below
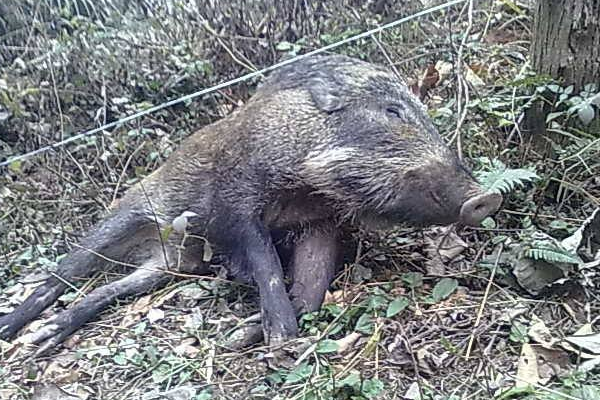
x=325 y=141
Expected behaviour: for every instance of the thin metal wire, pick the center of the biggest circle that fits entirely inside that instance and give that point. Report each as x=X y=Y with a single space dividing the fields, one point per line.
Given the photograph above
x=230 y=82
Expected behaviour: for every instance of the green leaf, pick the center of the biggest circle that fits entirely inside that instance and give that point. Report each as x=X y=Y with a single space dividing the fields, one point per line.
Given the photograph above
x=554 y=88
x=569 y=89
x=376 y=302
x=552 y=254
x=327 y=346
x=396 y=306
x=559 y=224
x=518 y=332
x=586 y=113
x=299 y=374
x=488 y=223
x=352 y=380
x=204 y=395
x=15 y=166
x=553 y=115
x=586 y=392
x=499 y=239
x=120 y=359
x=371 y=388
x=259 y=389
x=275 y=377
x=140 y=328
x=444 y=288
x=503 y=180
x=207 y=252
x=516 y=392
x=166 y=232
x=364 y=324
x=284 y=46
x=413 y=279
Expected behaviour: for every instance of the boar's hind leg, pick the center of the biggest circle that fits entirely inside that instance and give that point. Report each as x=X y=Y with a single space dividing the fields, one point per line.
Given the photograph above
x=150 y=275
x=316 y=255
x=106 y=238
x=256 y=254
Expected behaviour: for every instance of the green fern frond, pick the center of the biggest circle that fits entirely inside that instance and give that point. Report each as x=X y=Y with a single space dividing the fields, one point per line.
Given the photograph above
x=503 y=180
x=551 y=254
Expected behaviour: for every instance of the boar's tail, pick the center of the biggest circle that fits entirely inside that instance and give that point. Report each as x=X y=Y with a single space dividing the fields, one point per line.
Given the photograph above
x=105 y=241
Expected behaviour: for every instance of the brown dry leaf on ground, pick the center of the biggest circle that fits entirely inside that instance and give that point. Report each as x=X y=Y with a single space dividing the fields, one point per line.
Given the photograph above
x=347 y=343
x=187 y=349
x=527 y=370
x=538 y=365
x=60 y=370
x=442 y=246
x=589 y=344
x=134 y=311
x=52 y=392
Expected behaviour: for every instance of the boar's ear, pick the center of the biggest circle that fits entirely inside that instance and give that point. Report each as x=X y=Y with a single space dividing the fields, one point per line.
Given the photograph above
x=327 y=95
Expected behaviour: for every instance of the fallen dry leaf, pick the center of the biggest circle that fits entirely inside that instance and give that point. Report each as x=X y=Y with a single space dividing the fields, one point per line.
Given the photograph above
x=535 y=275
x=340 y=297
x=444 y=70
x=429 y=362
x=426 y=82
x=345 y=343
x=589 y=365
x=538 y=365
x=186 y=348
x=155 y=314
x=442 y=245
x=501 y=36
x=186 y=392
x=209 y=361
x=134 y=311
x=585 y=329
x=527 y=369
x=552 y=363
x=513 y=312
x=540 y=334
x=413 y=392
x=59 y=371
x=472 y=78
x=50 y=391
x=586 y=240
x=588 y=343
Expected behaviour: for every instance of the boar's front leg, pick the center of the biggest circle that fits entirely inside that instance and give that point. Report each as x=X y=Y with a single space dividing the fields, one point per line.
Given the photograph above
x=108 y=239
x=316 y=256
x=256 y=255
x=58 y=328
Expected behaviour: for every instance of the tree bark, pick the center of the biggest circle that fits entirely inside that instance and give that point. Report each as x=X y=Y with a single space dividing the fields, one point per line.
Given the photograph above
x=566 y=47
x=566 y=41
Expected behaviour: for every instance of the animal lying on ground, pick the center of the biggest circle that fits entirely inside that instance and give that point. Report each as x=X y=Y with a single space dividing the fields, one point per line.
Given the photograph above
x=325 y=142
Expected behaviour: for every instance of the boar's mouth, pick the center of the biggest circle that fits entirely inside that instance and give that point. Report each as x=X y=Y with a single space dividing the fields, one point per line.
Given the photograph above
x=478 y=207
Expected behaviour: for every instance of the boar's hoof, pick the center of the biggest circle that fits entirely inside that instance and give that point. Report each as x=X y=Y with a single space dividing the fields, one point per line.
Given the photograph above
x=51 y=334
x=8 y=328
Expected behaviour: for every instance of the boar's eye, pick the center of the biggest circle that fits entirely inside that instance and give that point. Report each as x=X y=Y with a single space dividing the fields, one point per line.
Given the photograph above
x=394 y=110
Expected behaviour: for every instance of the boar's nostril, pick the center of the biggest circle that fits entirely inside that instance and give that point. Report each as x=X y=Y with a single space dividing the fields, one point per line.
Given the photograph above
x=477 y=208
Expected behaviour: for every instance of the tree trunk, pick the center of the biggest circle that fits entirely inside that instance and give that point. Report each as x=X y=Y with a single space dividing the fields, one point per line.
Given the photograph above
x=566 y=41
x=565 y=46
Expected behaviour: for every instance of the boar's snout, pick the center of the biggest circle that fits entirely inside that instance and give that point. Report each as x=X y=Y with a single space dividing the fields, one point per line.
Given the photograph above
x=477 y=208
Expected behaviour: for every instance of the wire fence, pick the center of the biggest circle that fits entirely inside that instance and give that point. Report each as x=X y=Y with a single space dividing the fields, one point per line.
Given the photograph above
x=228 y=83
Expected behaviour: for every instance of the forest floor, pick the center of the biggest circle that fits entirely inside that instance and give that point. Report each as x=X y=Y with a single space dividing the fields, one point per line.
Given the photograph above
x=507 y=310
